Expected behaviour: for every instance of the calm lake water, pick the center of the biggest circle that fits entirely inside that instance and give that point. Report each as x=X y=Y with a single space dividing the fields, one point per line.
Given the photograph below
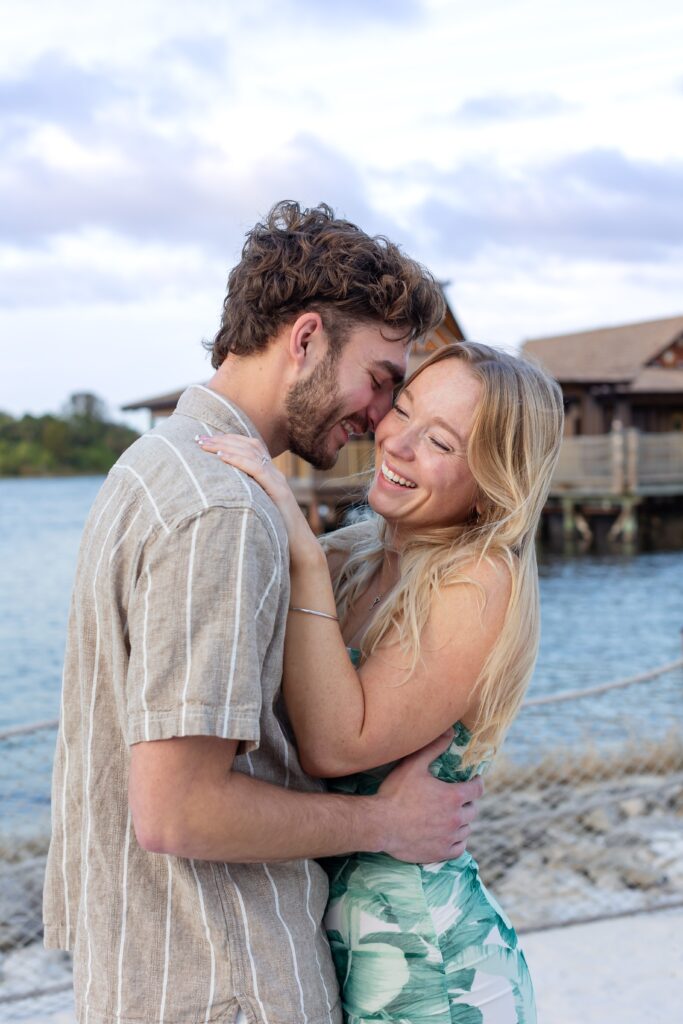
x=603 y=618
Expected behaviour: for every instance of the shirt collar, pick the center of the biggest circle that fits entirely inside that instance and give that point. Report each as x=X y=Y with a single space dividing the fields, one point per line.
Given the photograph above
x=217 y=412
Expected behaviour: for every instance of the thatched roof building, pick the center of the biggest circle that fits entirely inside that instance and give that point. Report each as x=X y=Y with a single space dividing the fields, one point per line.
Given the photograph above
x=632 y=374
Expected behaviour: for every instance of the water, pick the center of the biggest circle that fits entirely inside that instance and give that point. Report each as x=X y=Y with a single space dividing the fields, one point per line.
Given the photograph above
x=605 y=618
x=40 y=528
x=602 y=617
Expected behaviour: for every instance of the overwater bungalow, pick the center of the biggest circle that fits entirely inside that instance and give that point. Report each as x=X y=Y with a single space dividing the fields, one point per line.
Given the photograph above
x=622 y=456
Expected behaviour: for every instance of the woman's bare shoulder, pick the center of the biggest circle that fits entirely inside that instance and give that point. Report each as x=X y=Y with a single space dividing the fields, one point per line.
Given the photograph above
x=488 y=586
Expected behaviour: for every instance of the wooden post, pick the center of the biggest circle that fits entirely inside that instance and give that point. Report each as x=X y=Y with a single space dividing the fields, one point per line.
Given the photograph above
x=630 y=522
x=625 y=526
x=617 y=443
x=632 y=453
x=568 y=524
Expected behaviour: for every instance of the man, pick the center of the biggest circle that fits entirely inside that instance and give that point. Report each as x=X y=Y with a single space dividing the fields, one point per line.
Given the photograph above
x=178 y=868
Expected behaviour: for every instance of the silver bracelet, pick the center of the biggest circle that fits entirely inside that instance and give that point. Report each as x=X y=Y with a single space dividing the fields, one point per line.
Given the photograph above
x=312 y=611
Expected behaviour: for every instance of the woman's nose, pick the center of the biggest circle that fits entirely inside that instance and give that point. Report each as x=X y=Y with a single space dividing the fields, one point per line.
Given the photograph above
x=401 y=444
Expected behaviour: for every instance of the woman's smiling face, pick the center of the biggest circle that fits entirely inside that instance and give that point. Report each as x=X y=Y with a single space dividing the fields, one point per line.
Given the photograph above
x=422 y=477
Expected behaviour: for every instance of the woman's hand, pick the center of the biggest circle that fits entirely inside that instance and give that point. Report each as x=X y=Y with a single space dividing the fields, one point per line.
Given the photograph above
x=251 y=456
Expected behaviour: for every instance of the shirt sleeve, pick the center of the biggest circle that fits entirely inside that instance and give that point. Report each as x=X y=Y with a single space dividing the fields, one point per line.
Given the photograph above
x=200 y=622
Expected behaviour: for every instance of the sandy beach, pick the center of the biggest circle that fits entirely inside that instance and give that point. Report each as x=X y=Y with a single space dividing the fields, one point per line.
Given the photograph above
x=626 y=970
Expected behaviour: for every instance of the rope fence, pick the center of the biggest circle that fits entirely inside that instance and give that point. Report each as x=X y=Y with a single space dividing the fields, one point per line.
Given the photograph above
x=582 y=819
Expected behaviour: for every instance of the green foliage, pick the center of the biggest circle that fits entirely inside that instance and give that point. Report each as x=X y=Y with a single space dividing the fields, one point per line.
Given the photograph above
x=81 y=440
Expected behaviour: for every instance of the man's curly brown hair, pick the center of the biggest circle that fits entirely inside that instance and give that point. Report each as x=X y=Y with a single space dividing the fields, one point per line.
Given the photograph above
x=299 y=259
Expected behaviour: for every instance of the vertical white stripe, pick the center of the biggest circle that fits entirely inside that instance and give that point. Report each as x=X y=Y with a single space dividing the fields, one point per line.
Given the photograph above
x=65 y=748
x=129 y=469
x=88 y=763
x=266 y=591
x=123 y=536
x=133 y=580
x=167 y=948
x=145 y=667
x=235 y=638
x=278 y=572
x=115 y=491
x=290 y=940
x=285 y=748
x=188 y=625
x=124 y=913
x=244 y=480
x=212 y=982
x=227 y=404
x=247 y=938
x=275 y=536
x=193 y=478
x=315 y=935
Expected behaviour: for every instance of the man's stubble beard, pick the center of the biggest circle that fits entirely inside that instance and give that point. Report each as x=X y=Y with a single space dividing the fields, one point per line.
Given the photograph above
x=313 y=408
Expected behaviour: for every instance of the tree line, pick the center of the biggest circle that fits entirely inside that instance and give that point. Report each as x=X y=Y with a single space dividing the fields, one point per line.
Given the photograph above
x=81 y=439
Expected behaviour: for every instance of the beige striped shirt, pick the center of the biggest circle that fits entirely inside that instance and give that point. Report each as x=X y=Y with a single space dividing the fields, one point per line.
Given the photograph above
x=176 y=628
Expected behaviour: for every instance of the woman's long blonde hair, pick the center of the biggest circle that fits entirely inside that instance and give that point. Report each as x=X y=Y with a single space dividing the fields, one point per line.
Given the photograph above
x=512 y=451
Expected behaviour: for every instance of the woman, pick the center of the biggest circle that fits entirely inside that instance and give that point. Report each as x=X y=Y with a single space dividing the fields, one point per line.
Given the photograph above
x=436 y=602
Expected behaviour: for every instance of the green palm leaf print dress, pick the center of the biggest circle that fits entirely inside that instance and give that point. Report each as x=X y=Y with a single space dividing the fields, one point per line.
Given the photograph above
x=422 y=943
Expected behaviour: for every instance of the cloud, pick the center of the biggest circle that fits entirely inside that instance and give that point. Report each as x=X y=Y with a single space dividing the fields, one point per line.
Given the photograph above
x=203 y=53
x=81 y=152
x=511 y=108
x=350 y=12
x=175 y=190
x=56 y=90
x=599 y=204
x=166 y=219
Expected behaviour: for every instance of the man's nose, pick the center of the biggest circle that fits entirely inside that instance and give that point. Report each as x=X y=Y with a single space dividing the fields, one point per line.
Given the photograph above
x=378 y=409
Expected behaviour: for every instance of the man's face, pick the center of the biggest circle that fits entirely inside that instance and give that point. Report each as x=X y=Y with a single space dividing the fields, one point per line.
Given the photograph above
x=348 y=392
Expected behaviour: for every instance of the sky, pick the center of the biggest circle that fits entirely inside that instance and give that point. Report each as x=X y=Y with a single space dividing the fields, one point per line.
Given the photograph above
x=529 y=152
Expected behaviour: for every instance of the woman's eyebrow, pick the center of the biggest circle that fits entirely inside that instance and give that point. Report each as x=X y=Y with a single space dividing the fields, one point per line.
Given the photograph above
x=450 y=428
x=438 y=420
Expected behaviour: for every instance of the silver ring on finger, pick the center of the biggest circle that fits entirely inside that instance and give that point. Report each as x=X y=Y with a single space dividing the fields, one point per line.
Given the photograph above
x=264 y=459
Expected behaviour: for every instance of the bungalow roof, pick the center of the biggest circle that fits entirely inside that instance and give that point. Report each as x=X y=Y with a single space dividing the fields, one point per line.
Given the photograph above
x=608 y=354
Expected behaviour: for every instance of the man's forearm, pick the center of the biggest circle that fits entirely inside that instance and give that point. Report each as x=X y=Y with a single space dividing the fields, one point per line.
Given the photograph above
x=248 y=820
x=187 y=801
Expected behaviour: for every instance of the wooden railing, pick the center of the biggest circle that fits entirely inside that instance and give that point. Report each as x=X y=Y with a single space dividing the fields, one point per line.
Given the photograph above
x=622 y=462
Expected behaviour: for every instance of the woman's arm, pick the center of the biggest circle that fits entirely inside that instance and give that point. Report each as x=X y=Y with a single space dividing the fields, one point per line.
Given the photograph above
x=346 y=720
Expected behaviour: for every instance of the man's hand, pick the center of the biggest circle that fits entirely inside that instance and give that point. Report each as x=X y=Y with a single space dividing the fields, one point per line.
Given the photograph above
x=427 y=820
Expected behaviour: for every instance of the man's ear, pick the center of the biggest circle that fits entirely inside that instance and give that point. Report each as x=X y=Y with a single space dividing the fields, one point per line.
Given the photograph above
x=306 y=339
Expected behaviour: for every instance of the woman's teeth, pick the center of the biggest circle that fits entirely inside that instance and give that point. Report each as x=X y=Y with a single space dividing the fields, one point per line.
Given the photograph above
x=389 y=474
